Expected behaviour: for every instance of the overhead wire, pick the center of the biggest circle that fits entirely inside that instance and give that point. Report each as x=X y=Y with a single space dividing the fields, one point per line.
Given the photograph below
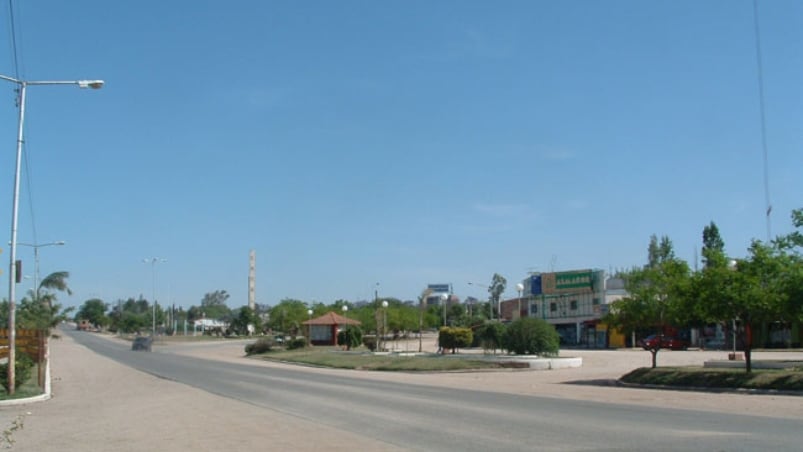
x=15 y=61
x=762 y=114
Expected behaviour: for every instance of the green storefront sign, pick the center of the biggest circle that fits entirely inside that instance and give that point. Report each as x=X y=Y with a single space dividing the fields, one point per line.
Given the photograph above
x=575 y=282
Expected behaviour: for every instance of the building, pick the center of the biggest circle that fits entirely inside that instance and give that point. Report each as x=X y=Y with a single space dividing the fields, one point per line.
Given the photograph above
x=574 y=301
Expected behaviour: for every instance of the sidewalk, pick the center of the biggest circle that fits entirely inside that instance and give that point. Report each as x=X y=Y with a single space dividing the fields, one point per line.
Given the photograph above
x=100 y=405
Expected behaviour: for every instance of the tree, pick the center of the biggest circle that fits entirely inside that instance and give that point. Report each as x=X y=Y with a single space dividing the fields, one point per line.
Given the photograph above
x=245 y=317
x=656 y=292
x=496 y=289
x=213 y=304
x=453 y=338
x=350 y=337
x=94 y=311
x=713 y=245
x=288 y=316
x=761 y=288
x=40 y=310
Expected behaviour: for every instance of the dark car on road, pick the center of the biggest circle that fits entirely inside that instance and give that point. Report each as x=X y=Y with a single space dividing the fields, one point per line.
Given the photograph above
x=654 y=341
x=142 y=343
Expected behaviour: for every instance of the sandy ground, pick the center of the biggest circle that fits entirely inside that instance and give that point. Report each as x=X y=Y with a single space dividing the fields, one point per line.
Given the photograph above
x=100 y=405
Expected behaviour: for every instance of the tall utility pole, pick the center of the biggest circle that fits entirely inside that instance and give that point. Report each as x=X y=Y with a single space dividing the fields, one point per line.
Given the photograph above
x=252 y=277
x=12 y=271
x=153 y=262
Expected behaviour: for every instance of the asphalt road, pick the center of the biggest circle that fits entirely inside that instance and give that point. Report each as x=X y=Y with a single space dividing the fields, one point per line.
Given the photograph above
x=432 y=418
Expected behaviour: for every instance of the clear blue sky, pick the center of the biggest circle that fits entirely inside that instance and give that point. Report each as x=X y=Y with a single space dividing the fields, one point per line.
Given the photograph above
x=353 y=143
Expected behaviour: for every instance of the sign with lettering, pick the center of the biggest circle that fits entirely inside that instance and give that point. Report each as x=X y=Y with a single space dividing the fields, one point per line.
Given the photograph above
x=567 y=282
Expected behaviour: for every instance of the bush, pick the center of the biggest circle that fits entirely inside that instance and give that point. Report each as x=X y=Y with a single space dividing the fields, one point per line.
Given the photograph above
x=262 y=345
x=22 y=370
x=369 y=342
x=351 y=337
x=490 y=335
x=294 y=344
x=454 y=337
x=530 y=336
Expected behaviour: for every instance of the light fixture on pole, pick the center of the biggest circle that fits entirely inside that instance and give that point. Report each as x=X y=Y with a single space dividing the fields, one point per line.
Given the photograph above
x=520 y=288
x=444 y=297
x=36 y=261
x=309 y=326
x=153 y=262
x=490 y=300
x=12 y=274
x=384 y=319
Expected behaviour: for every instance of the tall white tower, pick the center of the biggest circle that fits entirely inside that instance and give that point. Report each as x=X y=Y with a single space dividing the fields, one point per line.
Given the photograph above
x=252 y=276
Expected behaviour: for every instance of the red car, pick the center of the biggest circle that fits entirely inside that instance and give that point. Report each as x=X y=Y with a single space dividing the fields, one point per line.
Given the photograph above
x=652 y=341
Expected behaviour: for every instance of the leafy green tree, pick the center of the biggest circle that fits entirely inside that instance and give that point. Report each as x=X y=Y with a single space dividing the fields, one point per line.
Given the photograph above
x=40 y=310
x=244 y=317
x=94 y=311
x=214 y=306
x=288 y=316
x=350 y=337
x=656 y=292
x=531 y=336
x=496 y=289
x=713 y=245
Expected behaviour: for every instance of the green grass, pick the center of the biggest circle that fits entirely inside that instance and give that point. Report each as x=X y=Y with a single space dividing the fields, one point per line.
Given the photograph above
x=335 y=358
x=28 y=389
x=768 y=379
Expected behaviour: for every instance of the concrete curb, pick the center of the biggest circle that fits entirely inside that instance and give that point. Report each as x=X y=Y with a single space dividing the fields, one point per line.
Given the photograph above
x=744 y=391
x=37 y=398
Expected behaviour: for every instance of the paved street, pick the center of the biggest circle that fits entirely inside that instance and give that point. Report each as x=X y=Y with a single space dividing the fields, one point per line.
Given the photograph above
x=121 y=409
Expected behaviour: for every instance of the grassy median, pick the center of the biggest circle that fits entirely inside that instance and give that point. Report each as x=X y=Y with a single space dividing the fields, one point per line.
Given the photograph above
x=335 y=358
x=696 y=377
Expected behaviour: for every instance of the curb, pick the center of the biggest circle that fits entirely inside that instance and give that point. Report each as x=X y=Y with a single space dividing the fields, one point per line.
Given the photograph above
x=744 y=391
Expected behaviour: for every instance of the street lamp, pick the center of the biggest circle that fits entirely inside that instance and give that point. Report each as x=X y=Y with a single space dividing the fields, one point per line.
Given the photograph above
x=520 y=289
x=733 y=266
x=345 y=310
x=444 y=297
x=490 y=302
x=36 y=261
x=153 y=262
x=384 y=319
x=12 y=276
x=309 y=326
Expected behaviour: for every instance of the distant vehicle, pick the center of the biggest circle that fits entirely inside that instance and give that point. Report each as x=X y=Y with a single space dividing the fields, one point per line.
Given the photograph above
x=142 y=343
x=655 y=341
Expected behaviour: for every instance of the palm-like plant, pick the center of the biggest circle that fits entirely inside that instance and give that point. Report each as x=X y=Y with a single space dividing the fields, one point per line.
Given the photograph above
x=40 y=310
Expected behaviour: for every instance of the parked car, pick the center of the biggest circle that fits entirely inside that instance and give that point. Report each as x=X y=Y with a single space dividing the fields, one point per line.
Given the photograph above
x=672 y=343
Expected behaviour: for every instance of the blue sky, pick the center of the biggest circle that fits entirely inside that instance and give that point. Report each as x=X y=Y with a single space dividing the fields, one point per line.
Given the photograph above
x=401 y=143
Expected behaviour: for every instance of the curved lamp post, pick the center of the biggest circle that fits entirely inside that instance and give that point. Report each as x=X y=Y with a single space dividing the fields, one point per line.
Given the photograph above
x=309 y=326
x=384 y=319
x=153 y=262
x=490 y=302
x=12 y=255
x=36 y=247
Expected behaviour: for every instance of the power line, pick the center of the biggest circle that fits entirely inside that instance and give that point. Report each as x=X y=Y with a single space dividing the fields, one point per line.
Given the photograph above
x=768 y=204
x=13 y=40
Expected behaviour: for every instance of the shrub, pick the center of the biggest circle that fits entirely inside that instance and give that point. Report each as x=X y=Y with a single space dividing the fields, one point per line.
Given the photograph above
x=351 y=337
x=23 y=366
x=531 y=336
x=490 y=335
x=454 y=337
x=369 y=342
x=262 y=345
x=294 y=344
